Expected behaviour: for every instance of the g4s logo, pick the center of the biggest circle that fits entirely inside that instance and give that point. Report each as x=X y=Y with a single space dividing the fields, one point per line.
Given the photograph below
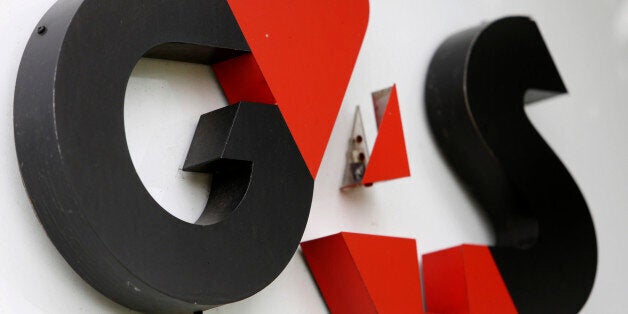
x=76 y=167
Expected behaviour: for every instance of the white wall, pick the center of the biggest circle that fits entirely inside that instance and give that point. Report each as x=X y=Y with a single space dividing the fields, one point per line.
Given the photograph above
x=589 y=43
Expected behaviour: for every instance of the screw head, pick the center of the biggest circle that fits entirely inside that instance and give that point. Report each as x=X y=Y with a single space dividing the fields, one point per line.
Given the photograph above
x=41 y=30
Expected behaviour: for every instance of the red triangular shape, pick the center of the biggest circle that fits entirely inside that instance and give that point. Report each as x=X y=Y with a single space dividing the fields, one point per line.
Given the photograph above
x=306 y=51
x=389 y=268
x=338 y=279
x=465 y=279
x=358 y=273
x=241 y=79
x=389 y=159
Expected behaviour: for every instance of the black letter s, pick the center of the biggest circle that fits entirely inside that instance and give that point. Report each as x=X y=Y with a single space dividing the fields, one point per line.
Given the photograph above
x=546 y=248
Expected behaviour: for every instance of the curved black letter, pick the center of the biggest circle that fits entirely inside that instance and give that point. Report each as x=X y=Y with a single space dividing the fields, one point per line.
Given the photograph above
x=70 y=139
x=546 y=249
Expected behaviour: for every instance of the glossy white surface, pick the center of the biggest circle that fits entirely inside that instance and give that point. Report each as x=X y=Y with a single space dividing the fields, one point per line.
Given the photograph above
x=587 y=129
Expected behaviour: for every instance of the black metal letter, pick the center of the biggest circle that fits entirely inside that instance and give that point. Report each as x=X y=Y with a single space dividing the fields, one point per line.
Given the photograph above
x=70 y=139
x=476 y=89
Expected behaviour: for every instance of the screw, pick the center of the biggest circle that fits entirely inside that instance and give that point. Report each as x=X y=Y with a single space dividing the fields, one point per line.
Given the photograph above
x=41 y=30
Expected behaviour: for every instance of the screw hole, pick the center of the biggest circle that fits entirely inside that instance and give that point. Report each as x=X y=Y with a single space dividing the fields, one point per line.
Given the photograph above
x=361 y=157
x=359 y=139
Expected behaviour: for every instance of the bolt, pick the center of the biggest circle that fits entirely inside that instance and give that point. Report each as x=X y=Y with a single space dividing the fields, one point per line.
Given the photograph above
x=41 y=30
